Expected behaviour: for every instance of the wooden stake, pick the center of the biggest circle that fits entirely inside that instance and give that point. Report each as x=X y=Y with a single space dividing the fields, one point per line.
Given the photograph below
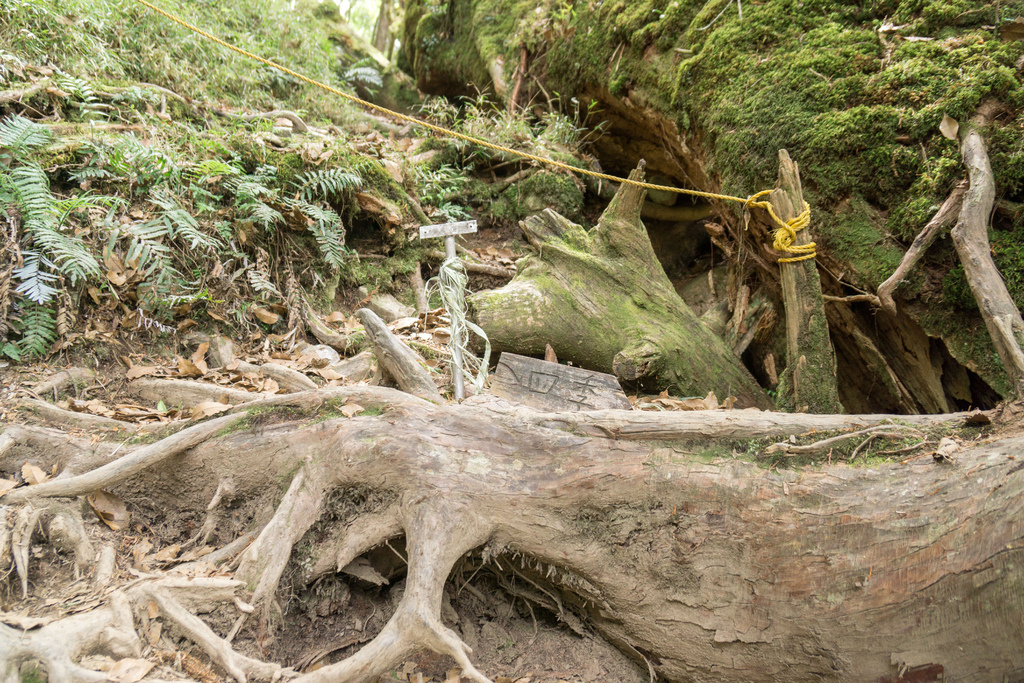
x=811 y=362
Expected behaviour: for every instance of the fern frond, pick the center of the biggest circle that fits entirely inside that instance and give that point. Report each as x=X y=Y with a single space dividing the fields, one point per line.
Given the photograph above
x=326 y=182
x=41 y=215
x=364 y=74
x=261 y=283
x=329 y=232
x=209 y=168
x=180 y=223
x=20 y=136
x=77 y=88
x=260 y=214
x=38 y=331
x=36 y=278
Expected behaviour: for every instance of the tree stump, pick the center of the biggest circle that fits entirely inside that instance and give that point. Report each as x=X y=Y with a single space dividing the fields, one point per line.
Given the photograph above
x=601 y=299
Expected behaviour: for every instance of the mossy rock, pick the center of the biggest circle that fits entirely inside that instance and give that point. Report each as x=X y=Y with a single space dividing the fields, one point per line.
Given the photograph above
x=542 y=190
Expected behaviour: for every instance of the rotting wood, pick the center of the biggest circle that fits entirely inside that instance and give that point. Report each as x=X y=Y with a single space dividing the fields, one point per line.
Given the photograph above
x=943 y=219
x=603 y=300
x=397 y=359
x=56 y=384
x=970 y=235
x=810 y=359
x=339 y=342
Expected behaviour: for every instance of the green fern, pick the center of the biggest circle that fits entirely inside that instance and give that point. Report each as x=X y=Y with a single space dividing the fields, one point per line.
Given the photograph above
x=328 y=231
x=42 y=215
x=20 y=136
x=180 y=223
x=38 y=330
x=364 y=73
x=128 y=159
x=210 y=168
x=327 y=183
x=36 y=278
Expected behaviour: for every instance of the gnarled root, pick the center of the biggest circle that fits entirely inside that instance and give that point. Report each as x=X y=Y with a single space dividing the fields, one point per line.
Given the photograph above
x=439 y=531
x=264 y=561
x=169 y=593
x=57 y=645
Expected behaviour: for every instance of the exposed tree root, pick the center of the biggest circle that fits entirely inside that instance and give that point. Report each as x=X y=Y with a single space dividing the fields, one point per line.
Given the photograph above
x=263 y=562
x=970 y=235
x=180 y=392
x=473 y=267
x=944 y=219
x=124 y=467
x=298 y=125
x=345 y=545
x=56 y=646
x=71 y=420
x=168 y=593
x=580 y=494
x=439 y=531
x=397 y=359
x=62 y=380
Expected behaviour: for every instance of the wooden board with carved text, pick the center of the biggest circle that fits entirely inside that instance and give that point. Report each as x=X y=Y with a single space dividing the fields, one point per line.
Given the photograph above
x=550 y=386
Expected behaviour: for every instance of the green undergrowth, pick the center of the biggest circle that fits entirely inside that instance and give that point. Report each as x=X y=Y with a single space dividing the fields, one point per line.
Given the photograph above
x=148 y=232
x=122 y=43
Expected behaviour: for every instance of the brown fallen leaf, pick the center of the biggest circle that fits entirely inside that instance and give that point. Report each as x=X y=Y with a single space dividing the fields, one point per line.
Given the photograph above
x=7 y=485
x=156 y=629
x=352 y=409
x=32 y=474
x=168 y=553
x=129 y=671
x=116 y=278
x=208 y=408
x=1013 y=30
x=136 y=371
x=949 y=127
x=336 y=317
x=187 y=368
x=198 y=358
x=265 y=316
x=329 y=374
x=271 y=386
x=109 y=508
x=25 y=623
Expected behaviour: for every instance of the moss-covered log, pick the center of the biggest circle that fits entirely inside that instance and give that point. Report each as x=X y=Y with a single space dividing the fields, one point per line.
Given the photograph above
x=601 y=299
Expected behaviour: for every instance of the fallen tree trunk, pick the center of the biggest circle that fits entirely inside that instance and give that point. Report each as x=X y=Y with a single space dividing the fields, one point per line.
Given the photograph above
x=602 y=300
x=660 y=532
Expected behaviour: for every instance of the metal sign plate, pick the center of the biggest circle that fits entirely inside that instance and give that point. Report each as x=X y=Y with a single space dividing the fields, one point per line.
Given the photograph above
x=445 y=229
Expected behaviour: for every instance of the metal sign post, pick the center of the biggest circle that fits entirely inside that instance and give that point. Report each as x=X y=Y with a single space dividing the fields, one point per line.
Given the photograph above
x=449 y=231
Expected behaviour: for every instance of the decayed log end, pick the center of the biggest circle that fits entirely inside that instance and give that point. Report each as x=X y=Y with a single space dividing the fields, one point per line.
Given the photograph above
x=629 y=199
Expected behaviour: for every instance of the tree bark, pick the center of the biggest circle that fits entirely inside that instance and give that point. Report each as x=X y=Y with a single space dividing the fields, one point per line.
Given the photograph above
x=706 y=567
x=810 y=360
x=970 y=235
x=602 y=300
x=380 y=30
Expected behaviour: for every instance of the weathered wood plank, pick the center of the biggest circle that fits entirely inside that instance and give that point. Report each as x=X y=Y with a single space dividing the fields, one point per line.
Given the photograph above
x=549 y=386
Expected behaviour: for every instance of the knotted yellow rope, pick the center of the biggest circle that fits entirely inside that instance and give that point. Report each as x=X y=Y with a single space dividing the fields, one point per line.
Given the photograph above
x=785 y=232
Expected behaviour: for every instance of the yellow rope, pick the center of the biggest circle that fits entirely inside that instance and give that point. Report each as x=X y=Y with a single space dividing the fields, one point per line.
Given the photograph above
x=784 y=234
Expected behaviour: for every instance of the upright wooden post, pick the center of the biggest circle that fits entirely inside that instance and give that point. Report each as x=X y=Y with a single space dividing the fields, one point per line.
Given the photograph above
x=810 y=377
